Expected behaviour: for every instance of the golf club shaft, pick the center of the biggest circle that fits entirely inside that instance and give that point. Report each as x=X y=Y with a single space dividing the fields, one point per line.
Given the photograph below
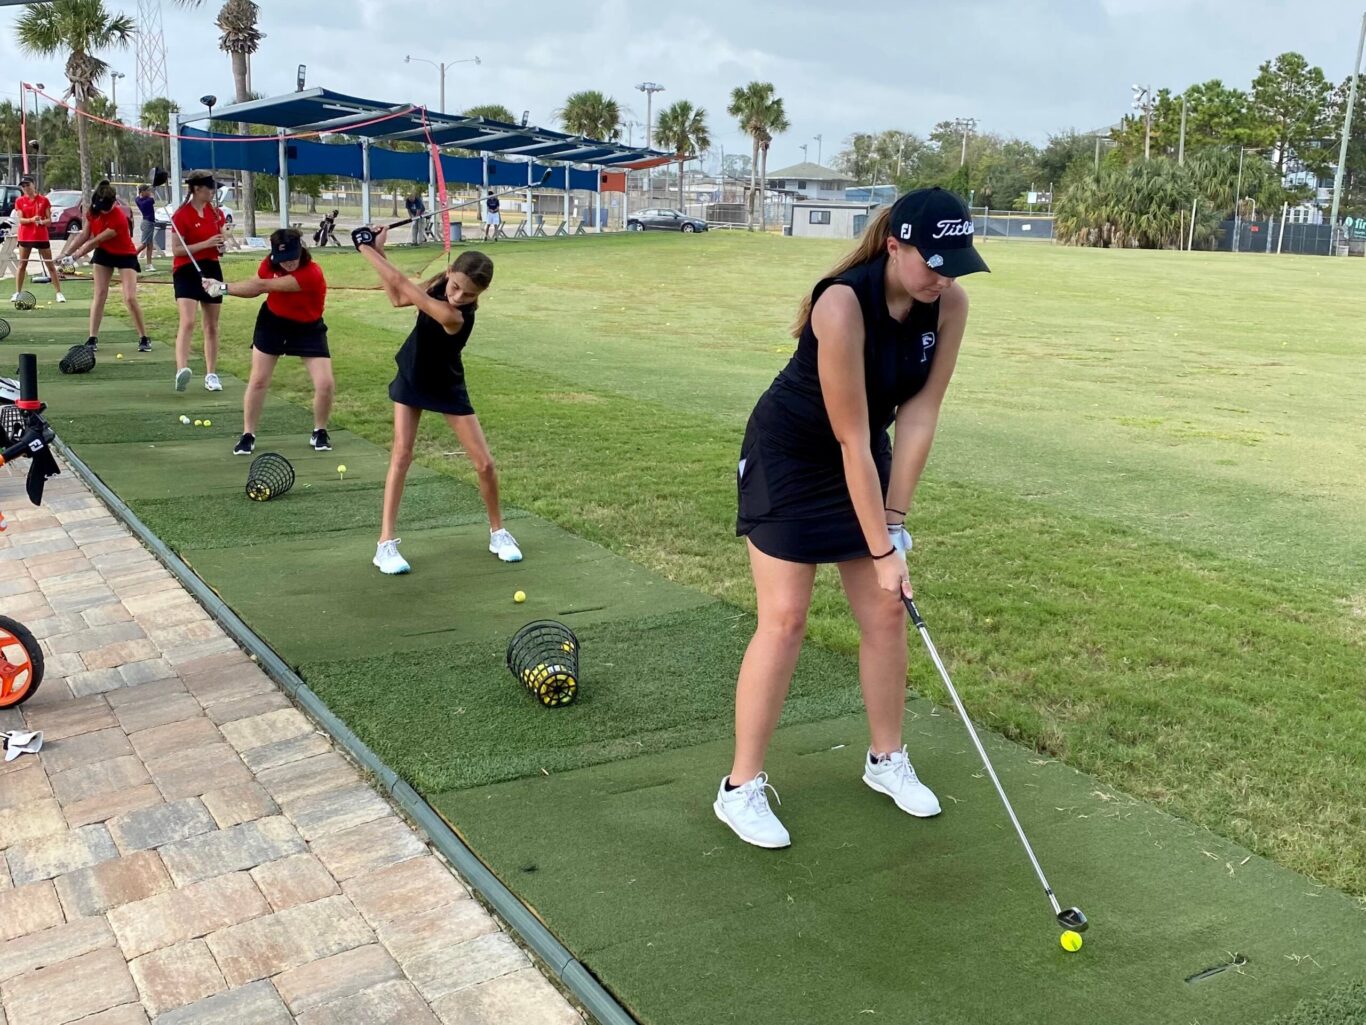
x=919 y=622
x=470 y=202
x=185 y=244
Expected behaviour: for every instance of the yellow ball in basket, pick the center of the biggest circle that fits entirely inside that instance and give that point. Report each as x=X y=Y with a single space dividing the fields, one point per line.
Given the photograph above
x=260 y=492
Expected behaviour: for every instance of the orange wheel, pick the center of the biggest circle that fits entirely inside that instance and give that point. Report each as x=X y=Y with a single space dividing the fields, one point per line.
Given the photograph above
x=21 y=663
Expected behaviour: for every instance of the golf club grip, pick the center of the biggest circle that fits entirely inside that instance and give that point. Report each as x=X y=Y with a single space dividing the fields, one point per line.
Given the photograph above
x=28 y=377
x=399 y=224
x=916 y=618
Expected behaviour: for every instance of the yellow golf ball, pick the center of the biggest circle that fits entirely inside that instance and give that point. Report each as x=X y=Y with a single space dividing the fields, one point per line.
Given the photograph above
x=208 y=423
x=184 y=419
x=341 y=468
x=1071 y=941
x=118 y=355
x=199 y=423
x=519 y=597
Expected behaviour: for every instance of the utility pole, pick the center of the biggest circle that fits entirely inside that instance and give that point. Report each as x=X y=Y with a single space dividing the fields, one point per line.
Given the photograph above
x=1181 y=146
x=818 y=149
x=964 y=125
x=1346 y=132
x=649 y=89
x=1143 y=100
x=802 y=147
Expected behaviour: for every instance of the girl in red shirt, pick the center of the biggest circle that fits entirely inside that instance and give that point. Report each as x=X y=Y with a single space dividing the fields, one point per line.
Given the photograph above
x=289 y=323
x=34 y=214
x=198 y=230
x=109 y=234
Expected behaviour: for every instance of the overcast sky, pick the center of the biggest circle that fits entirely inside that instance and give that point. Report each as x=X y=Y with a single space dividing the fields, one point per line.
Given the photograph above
x=1023 y=67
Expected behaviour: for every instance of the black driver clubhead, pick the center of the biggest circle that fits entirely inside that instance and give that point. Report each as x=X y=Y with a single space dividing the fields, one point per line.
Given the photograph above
x=1073 y=919
x=159 y=177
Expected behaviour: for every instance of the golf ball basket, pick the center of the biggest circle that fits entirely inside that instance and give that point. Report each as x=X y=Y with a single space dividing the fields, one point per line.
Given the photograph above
x=25 y=301
x=4 y=329
x=79 y=359
x=544 y=657
x=269 y=476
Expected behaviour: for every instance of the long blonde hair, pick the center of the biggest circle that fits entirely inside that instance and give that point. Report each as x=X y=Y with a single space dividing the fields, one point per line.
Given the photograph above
x=870 y=246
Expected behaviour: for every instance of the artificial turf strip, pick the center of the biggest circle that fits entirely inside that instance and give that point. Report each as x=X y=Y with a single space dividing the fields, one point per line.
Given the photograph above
x=78 y=427
x=453 y=716
x=200 y=462
x=319 y=598
x=872 y=912
x=233 y=521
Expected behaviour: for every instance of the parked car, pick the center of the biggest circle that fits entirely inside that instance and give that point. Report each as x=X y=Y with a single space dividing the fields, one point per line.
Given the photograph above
x=664 y=220
x=68 y=216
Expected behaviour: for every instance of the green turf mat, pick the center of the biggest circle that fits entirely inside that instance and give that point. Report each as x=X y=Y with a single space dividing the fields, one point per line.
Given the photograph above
x=231 y=520
x=453 y=716
x=200 y=462
x=872 y=915
x=316 y=599
x=153 y=395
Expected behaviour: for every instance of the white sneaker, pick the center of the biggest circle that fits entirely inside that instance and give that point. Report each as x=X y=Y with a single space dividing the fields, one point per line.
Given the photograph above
x=745 y=809
x=387 y=558
x=212 y=383
x=61 y=298
x=182 y=378
x=14 y=298
x=893 y=775
x=503 y=545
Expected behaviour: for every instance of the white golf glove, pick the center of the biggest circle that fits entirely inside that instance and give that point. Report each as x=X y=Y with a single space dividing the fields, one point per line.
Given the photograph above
x=213 y=288
x=899 y=537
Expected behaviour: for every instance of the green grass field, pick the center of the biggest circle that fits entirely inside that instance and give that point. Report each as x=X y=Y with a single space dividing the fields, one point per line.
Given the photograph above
x=1139 y=538
x=1138 y=548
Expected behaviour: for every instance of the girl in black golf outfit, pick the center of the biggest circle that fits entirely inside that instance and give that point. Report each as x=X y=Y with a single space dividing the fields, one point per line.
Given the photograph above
x=431 y=376
x=820 y=481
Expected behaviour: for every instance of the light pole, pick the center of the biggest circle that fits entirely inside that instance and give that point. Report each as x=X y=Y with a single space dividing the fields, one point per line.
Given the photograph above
x=1143 y=100
x=818 y=149
x=964 y=125
x=1238 y=199
x=649 y=89
x=1346 y=133
x=802 y=147
x=441 y=66
x=114 y=77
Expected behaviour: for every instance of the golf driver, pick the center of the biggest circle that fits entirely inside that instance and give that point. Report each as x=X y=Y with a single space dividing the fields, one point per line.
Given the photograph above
x=1068 y=918
x=477 y=199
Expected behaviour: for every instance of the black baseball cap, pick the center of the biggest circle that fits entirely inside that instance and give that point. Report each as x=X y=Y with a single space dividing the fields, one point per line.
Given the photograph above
x=939 y=225
x=201 y=178
x=286 y=249
x=27 y=179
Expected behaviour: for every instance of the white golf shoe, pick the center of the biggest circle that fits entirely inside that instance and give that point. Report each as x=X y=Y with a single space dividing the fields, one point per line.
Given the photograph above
x=893 y=775
x=504 y=545
x=745 y=809
x=387 y=558
x=212 y=383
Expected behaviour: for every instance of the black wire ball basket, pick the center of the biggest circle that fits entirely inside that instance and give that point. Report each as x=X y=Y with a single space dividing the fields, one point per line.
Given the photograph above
x=544 y=657
x=79 y=359
x=25 y=301
x=269 y=476
x=4 y=329
x=11 y=423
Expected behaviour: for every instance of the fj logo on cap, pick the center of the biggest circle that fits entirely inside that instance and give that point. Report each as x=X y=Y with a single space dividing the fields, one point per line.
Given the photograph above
x=934 y=261
x=905 y=232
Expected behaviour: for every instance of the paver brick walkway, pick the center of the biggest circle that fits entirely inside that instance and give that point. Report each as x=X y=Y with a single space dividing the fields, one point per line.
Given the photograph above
x=188 y=849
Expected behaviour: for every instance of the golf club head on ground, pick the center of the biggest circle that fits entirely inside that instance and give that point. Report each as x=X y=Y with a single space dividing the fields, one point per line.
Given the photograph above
x=1073 y=919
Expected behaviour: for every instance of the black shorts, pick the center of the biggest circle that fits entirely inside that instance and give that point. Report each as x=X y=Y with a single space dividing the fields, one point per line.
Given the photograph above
x=279 y=336
x=118 y=261
x=455 y=401
x=44 y=248
x=796 y=506
x=187 y=283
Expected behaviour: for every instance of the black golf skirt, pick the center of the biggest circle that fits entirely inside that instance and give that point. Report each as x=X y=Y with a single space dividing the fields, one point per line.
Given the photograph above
x=454 y=400
x=279 y=336
x=116 y=261
x=796 y=507
x=187 y=283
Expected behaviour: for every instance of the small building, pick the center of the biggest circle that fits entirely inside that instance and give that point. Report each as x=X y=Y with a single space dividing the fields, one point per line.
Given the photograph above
x=809 y=181
x=830 y=218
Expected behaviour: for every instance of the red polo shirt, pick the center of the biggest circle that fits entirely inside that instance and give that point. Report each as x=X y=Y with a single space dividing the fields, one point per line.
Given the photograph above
x=122 y=242
x=305 y=305
x=33 y=206
x=195 y=228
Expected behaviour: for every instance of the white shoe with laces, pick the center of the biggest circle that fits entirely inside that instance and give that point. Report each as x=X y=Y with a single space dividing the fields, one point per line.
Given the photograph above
x=503 y=545
x=893 y=775
x=212 y=383
x=61 y=298
x=14 y=298
x=387 y=558
x=745 y=809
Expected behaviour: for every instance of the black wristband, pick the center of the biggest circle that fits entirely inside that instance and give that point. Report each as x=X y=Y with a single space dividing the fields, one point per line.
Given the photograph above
x=890 y=551
x=899 y=512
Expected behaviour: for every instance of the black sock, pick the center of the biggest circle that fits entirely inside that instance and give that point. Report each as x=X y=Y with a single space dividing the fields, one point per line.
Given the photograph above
x=93 y=340
x=729 y=786
x=144 y=338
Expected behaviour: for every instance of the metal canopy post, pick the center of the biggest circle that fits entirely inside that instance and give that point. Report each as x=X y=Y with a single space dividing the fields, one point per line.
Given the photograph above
x=530 y=203
x=431 y=181
x=284 y=181
x=365 y=181
x=177 y=172
x=566 y=196
x=597 y=205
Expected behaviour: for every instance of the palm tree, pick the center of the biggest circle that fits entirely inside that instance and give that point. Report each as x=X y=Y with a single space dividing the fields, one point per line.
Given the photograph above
x=592 y=115
x=492 y=111
x=156 y=117
x=237 y=20
x=683 y=128
x=9 y=134
x=760 y=115
x=774 y=121
x=80 y=29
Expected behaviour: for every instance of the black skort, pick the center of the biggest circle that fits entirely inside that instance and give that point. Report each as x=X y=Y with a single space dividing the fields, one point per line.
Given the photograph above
x=455 y=402
x=117 y=261
x=279 y=336
x=187 y=283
